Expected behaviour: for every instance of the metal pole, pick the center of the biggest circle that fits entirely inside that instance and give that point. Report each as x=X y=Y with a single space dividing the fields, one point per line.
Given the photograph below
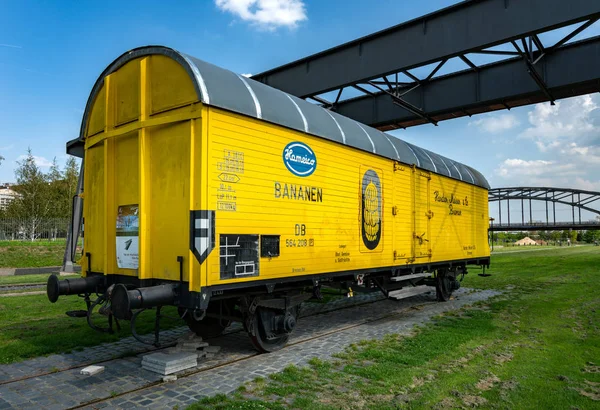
x=573 y=207
x=554 y=207
x=500 y=211
x=522 y=212
x=547 y=219
x=579 y=203
x=530 y=212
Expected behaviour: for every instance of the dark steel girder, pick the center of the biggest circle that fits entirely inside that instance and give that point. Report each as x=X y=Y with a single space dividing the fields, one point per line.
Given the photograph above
x=469 y=26
x=556 y=195
x=559 y=226
x=493 y=87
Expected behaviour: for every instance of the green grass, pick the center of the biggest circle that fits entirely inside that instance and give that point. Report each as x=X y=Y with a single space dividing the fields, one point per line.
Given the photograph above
x=31 y=326
x=17 y=254
x=20 y=279
x=501 y=249
x=537 y=346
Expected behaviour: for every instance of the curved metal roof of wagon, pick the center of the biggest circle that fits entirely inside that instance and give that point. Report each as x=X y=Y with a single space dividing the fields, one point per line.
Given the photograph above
x=222 y=88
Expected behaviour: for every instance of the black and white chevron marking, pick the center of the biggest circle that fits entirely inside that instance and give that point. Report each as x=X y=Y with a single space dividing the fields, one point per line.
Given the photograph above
x=202 y=233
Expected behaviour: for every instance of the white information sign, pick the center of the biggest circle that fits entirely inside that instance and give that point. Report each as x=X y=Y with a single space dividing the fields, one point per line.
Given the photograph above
x=128 y=237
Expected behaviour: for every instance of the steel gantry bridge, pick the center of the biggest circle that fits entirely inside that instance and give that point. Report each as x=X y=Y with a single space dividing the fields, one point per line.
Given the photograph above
x=378 y=67
x=577 y=199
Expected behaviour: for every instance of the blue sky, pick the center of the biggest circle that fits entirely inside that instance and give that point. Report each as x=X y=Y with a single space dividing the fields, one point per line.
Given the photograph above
x=51 y=53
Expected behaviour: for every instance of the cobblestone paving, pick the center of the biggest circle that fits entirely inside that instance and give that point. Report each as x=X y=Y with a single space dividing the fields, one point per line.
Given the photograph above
x=130 y=346
x=103 y=352
x=317 y=336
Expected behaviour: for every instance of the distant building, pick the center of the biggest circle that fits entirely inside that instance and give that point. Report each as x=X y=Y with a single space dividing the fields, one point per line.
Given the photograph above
x=7 y=195
x=525 y=241
x=541 y=242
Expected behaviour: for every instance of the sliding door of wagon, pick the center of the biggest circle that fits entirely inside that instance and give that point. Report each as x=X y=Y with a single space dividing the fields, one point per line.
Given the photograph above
x=421 y=244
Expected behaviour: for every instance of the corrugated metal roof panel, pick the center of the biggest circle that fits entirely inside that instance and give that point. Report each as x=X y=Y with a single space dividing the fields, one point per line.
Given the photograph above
x=224 y=89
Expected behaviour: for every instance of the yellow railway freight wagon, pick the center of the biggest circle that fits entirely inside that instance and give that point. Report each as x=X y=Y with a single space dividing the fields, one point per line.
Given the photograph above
x=232 y=200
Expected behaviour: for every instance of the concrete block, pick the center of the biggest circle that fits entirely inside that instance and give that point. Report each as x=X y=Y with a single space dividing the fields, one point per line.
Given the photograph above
x=212 y=349
x=170 y=378
x=191 y=345
x=164 y=363
x=166 y=370
x=92 y=370
x=188 y=337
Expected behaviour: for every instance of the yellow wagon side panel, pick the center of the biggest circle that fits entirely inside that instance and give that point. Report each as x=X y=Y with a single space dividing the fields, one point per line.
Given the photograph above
x=169 y=84
x=460 y=219
x=318 y=217
x=169 y=198
x=94 y=206
x=138 y=153
x=402 y=211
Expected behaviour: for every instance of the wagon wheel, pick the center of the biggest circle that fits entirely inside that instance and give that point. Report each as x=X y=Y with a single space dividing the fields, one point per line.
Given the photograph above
x=263 y=341
x=443 y=285
x=209 y=327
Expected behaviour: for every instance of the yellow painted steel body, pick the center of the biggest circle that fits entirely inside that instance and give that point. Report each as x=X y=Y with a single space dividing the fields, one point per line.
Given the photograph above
x=149 y=142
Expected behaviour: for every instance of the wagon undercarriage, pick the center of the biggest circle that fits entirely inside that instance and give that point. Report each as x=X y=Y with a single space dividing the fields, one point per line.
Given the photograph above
x=268 y=312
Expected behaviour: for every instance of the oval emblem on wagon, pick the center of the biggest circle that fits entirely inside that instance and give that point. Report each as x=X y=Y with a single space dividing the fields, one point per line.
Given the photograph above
x=299 y=159
x=371 y=209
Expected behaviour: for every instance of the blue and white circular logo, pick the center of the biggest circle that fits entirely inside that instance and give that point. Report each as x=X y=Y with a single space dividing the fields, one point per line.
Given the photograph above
x=299 y=159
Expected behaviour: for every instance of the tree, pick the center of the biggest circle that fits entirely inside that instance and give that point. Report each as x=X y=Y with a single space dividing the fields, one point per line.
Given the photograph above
x=591 y=236
x=573 y=236
x=1 y=159
x=32 y=204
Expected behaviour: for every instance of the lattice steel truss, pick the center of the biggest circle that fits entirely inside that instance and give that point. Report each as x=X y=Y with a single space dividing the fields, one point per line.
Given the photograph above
x=379 y=65
x=574 y=198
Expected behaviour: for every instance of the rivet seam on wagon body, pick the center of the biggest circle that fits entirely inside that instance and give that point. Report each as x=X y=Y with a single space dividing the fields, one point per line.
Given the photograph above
x=204 y=97
x=300 y=112
x=413 y=151
x=430 y=159
x=251 y=91
x=392 y=144
x=456 y=168
x=338 y=125
x=448 y=169
x=471 y=175
x=368 y=136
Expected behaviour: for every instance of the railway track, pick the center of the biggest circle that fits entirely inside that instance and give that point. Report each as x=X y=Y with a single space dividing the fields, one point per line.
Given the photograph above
x=197 y=372
x=22 y=287
x=234 y=329
x=319 y=334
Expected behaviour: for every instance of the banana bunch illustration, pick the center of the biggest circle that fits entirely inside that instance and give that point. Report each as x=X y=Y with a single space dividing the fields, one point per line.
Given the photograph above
x=371 y=217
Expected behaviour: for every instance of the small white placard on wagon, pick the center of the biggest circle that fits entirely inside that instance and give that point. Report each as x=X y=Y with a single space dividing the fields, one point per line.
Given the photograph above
x=128 y=237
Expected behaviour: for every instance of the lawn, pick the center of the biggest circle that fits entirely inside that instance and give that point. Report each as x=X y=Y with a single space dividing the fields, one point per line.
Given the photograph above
x=17 y=254
x=31 y=326
x=537 y=346
x=41 y=278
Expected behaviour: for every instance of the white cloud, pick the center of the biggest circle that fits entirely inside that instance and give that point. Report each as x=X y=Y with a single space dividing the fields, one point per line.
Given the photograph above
x=267 y=14
x=39 y=161
x=514 y=167
x=496 y=123
x=582 y=154
x=567 y=119
x=247 y=75
x=587 y=185
x=519 y=172
x=567 y=136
